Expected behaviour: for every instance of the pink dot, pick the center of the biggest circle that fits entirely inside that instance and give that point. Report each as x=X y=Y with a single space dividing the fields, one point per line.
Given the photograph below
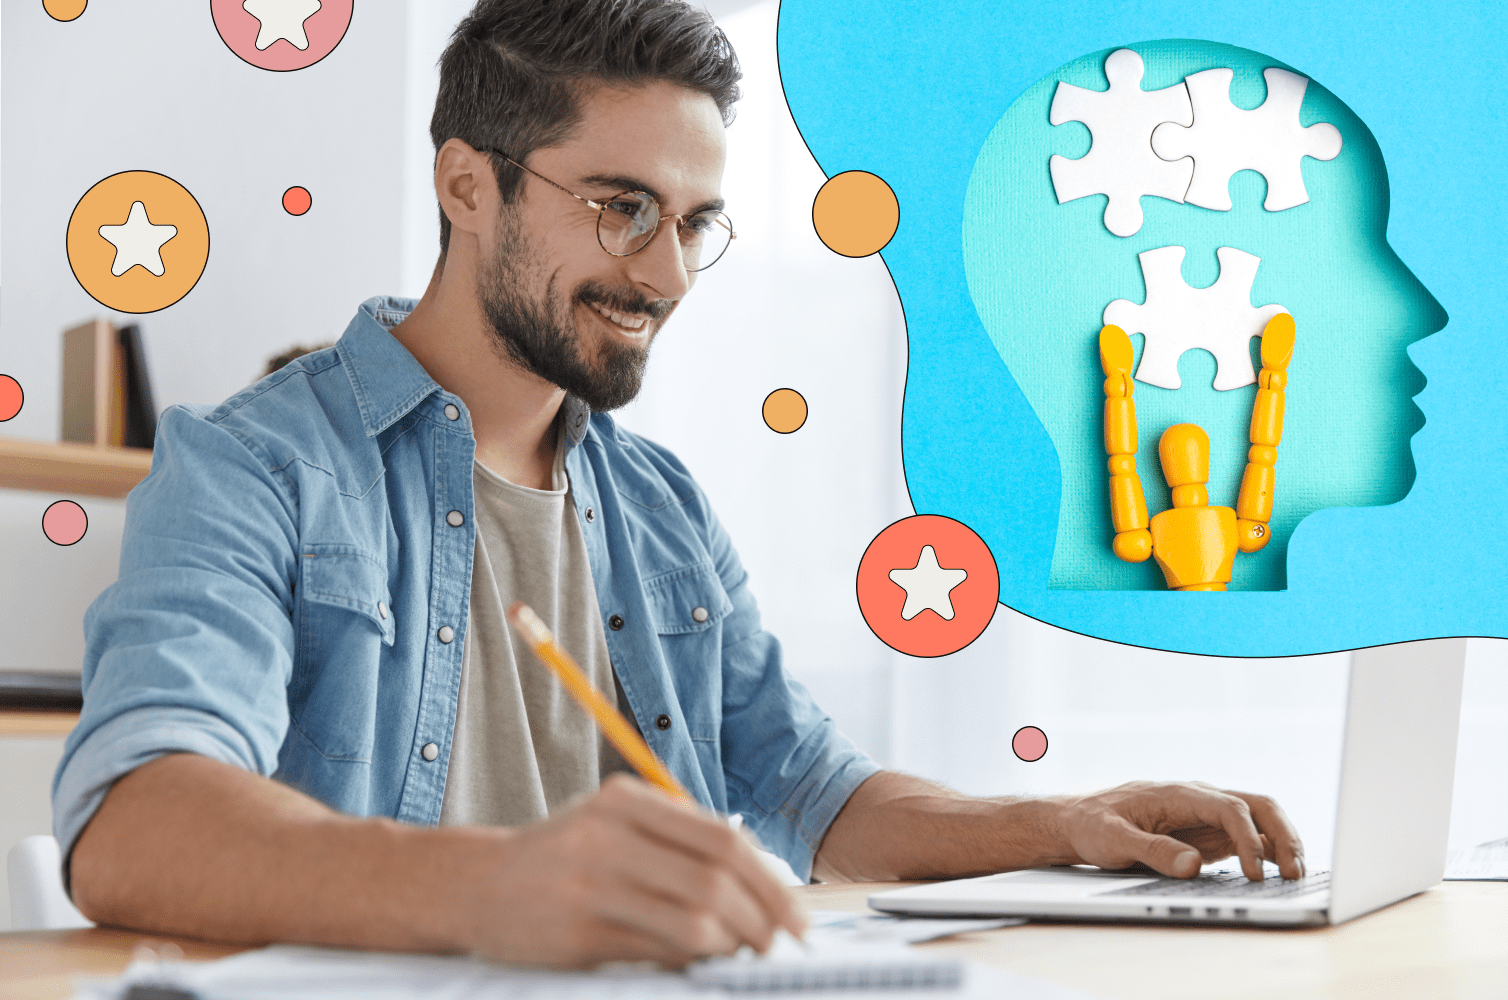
x=65 y=522
x=296 y=200
x=11 y=397
x=1029 y=743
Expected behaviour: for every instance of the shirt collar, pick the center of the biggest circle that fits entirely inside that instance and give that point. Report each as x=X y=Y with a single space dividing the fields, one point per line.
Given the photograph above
x=389 y=381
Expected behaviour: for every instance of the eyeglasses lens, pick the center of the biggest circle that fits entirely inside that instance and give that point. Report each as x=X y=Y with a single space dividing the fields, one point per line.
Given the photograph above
x=629 y=222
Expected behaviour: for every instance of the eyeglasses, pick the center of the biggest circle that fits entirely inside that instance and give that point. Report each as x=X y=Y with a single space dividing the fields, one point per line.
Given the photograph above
x=626 y=223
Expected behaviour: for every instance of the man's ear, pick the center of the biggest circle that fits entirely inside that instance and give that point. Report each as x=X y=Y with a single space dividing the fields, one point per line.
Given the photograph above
x=466 y=187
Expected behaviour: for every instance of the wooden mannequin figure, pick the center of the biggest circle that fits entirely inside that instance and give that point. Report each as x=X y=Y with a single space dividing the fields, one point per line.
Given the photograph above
x=1195 y=544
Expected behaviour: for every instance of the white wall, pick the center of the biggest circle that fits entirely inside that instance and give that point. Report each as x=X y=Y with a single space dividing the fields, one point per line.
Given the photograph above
x=150 y=85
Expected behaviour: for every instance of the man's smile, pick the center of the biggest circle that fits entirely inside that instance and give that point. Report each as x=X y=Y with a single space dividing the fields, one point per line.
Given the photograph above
x=627 y=321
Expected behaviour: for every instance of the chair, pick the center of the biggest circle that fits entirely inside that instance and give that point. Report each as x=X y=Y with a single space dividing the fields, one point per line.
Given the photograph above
x=37 y=899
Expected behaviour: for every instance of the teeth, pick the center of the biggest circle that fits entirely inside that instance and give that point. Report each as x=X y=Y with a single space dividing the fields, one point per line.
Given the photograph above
x=627 y=322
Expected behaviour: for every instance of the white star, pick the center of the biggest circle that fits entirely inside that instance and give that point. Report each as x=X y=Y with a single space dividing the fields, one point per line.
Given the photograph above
x=928 y=586
x=281 y=19
x=138 y=242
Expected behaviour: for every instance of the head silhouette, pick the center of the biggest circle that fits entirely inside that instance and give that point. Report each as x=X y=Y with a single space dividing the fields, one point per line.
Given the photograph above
x=1042 y=274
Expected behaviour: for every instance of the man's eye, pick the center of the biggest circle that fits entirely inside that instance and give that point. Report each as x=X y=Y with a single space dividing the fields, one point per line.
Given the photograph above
x=700 y=223
x=625 y=206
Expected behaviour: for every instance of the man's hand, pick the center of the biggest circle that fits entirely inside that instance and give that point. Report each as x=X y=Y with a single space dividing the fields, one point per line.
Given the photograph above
x=188 y=845
x=896 y=826
x=1174 y=827
x=628 y=873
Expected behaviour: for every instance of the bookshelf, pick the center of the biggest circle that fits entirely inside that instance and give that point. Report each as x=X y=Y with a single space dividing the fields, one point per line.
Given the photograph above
x=69 y=468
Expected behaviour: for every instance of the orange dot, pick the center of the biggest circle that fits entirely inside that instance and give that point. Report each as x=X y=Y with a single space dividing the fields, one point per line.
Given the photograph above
x=856 y=214
x=64 y=10
x=784 y=411
x=10 y=397
x=296 y=200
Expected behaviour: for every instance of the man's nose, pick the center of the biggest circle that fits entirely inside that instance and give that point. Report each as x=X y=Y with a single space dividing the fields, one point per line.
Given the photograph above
x=660 y=266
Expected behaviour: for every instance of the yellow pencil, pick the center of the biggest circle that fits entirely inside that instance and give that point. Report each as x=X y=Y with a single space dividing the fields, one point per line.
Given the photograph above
x=614 y=726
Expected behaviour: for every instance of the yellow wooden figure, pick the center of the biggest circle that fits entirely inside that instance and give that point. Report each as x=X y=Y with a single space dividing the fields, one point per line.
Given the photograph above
x=1195 y=544
x=1128 y=506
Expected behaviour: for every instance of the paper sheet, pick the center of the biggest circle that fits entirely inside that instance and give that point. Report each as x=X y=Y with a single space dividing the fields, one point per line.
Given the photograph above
x=1486 y=862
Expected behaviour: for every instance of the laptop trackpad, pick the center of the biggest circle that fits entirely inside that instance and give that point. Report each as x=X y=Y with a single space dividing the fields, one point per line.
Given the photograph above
x=1069 y=881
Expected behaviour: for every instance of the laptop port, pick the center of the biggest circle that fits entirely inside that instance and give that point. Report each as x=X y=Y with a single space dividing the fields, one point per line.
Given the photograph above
x=1239 y=913
x=1180 y=911
x=1213 y=912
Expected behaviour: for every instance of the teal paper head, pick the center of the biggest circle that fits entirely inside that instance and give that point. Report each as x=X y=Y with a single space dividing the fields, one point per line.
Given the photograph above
x=1046 y=275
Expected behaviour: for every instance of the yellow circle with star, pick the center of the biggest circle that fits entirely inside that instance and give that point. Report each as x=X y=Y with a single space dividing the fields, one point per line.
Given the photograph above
x=138 y=241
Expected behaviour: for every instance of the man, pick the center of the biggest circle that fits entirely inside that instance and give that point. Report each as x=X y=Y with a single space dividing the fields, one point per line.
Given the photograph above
x=304 y=718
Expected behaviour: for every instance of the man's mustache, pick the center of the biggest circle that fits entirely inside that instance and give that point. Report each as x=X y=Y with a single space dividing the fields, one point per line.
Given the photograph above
x=622 y=300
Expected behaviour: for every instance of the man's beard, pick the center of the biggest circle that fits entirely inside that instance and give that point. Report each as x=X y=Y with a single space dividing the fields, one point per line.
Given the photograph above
x=540 y=336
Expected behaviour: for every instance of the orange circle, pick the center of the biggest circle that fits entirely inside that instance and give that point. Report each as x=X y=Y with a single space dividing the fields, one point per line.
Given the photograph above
x=856 y=214
x=64 y=10
x=883 y=599
x=11 y=397
x=112 y=202
x=784 y=411
x=296 y=200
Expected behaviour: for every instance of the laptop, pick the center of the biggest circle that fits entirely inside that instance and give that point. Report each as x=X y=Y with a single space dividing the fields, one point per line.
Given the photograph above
x=1403 y=708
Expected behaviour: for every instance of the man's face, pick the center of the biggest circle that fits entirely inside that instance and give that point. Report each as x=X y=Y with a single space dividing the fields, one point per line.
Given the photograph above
x=561 y=306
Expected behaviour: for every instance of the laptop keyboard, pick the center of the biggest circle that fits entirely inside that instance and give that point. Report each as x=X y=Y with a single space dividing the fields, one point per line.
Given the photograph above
x=1225 y=884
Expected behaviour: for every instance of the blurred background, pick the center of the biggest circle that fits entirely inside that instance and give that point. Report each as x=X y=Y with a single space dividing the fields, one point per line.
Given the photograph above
x=151 y=86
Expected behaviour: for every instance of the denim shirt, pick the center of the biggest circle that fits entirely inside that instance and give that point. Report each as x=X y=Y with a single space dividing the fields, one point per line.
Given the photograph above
x=293 y=600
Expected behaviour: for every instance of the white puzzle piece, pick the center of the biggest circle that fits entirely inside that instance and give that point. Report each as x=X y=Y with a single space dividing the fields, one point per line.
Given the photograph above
x=1121 y=163
x=1224 y=139
x=1176 y=318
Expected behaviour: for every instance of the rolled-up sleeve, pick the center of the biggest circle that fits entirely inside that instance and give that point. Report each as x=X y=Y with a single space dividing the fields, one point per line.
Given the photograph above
x=191 y=649
x=788 y=769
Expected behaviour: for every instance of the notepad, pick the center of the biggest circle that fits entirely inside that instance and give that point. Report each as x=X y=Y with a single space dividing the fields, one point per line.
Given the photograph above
x=336 y=974
x=828 y=963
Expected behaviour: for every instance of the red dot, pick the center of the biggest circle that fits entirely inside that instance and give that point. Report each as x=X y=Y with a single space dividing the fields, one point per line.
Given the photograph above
x=1029 y=743
x=10 y=397
x=65 y=522
x=296 y=200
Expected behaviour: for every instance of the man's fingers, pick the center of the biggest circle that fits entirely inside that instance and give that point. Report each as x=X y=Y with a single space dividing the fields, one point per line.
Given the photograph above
x=695 y=885
x=686 y=930
x=612 y=941
x=1286 y=847
x=1162 y=853
x=690 y=829
x=1230 y=813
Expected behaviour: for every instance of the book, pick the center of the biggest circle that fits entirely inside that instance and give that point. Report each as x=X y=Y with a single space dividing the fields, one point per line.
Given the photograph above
x=107 y=394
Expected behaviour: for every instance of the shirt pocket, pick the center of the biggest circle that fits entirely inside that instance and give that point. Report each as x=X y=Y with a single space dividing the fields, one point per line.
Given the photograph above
x=687 y=601
x=345 y=624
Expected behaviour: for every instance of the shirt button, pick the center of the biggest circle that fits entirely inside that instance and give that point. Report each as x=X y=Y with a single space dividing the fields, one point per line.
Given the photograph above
x=615 y=622
x=452 y=411
x=447 y=633
x=591 y=515
x=430 y=751
x=699 y=614
x=662 y=722
x=455 y=519
x=382 y=609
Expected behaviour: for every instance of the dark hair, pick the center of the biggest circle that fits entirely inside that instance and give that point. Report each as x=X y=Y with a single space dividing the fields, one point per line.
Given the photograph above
x=515 y=71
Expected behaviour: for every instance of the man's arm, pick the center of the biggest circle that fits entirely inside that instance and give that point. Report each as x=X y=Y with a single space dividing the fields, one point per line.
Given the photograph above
x=896 y=826
x=189 y=845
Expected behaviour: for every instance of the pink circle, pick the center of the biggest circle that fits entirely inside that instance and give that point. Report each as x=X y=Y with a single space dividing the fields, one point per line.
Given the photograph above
x=241 y=30
x=296 y=200
x=64 y=522
x=1029 y=743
